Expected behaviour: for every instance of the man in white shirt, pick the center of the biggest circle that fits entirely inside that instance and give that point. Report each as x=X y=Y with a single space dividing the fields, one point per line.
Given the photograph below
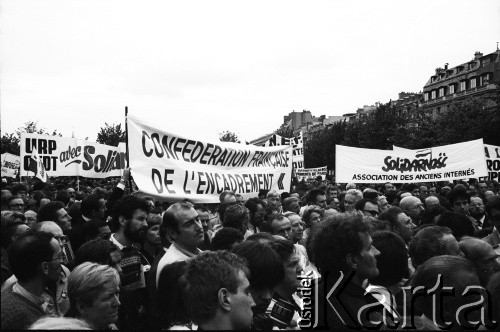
x=185 y=232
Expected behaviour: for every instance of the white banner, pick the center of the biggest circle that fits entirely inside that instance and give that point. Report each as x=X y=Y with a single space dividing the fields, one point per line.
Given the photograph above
x=298 y=147
x=310 y=173
x=177 y=167
x=492 y=154
x=10 y=165
x=64 y=156
x=442 y=163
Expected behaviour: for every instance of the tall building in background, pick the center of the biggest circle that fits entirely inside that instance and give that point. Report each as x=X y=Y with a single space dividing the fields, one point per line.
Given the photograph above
x=476 y=77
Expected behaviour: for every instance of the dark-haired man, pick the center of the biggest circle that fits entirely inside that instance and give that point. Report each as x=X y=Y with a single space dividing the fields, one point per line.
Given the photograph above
x=317 y=197
x=493 y=211
x=284 y=310
x=459 y=200
x=36 y=262
x=16 y=204
x=266 y=272
x=217 y=292
x=368 y=207
x=92 y=207
x=185 y=232
x=129 y=224
x=430 y=242
x=344 y=255
x=55 y=211
x=280 y=225
x=204 y=216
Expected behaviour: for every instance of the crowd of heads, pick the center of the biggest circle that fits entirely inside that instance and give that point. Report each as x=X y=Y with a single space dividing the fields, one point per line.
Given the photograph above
x=102 y=257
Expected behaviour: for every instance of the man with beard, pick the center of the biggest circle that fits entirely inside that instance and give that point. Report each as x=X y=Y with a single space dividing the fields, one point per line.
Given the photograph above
x=129 y=223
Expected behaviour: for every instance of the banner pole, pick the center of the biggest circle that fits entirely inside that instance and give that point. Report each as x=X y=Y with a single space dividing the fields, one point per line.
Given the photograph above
x=126 y=146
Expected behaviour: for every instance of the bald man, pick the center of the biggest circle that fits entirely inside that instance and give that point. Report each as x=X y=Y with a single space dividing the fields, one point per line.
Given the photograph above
x=413 y=207
x=56 y=230
x=431 y=201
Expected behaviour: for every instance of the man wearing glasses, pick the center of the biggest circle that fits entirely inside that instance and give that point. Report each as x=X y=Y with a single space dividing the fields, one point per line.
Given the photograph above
x=368 y=207
x=16 y=204
x=36 y=263
x=413 y=207
x=55 y=294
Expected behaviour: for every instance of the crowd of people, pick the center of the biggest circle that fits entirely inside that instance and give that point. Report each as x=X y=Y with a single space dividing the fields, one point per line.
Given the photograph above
x=95 y=254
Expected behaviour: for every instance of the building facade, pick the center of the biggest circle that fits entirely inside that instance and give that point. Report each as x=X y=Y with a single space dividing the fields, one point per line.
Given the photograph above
x=473 y=78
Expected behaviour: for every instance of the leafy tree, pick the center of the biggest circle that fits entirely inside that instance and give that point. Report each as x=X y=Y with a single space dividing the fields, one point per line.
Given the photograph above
x=227 y=136
x=320 y=147
x=111 y=134
x=31 y=127
x=469 y=119
x=10 y=144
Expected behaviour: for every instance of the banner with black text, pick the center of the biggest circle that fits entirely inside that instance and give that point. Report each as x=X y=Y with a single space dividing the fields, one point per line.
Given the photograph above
x=176 y=167
x=64 y=156
x=310 y=173
x=492 y=154
x=441 y=163
x=297 y=143
x=10 y=165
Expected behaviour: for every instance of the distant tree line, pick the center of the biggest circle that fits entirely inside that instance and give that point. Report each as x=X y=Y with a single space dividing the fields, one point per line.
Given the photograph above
x=388 y=125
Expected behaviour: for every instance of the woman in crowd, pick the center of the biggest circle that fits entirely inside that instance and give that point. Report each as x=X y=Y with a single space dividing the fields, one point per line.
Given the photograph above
x=151 y=244
x=93 y=290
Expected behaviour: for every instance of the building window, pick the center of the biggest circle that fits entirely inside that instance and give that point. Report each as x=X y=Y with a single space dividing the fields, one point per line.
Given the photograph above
x=451 y=89
x=473 y=83
x=441 y=92
x=426 y=96
x=462 y=85
x=486 y=79
x=433 y=94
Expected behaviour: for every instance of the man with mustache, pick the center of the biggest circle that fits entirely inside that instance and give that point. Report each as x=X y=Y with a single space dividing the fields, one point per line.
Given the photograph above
x=129 y=216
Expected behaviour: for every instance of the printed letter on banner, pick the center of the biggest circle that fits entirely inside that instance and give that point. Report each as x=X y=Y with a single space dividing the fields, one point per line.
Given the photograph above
x=175 y=167
x=64 y=156
x=10 y=165
x=441 y=163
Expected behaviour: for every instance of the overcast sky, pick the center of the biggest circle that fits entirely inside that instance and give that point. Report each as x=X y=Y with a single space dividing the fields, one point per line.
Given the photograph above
x=201 y=67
